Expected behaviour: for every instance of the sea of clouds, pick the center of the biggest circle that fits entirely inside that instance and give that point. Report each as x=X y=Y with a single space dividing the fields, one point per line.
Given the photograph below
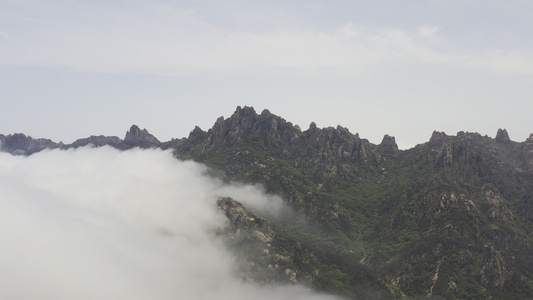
x=98 y=223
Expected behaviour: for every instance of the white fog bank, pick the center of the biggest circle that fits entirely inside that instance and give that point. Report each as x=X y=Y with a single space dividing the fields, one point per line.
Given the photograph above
x=104 y=224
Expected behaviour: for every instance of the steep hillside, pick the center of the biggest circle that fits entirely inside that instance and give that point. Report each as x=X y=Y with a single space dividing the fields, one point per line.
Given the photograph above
x=451 y=217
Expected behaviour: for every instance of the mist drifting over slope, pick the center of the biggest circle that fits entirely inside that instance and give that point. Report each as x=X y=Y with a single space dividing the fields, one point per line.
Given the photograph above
x=104 y=224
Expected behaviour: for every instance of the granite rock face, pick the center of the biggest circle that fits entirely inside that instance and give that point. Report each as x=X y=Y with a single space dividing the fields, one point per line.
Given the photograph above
x=258 y=246
x=242 y=219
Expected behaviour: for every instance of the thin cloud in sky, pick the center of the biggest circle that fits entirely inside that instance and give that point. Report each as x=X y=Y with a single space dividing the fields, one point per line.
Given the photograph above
x=175 y=40
x=514 y=61
x=428 y=31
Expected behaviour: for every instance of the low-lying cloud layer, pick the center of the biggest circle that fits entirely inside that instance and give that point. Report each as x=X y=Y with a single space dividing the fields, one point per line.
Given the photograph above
x=104 y=224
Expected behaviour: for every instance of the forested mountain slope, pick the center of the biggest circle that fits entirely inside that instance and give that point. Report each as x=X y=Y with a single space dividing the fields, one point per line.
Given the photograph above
x=449 y=218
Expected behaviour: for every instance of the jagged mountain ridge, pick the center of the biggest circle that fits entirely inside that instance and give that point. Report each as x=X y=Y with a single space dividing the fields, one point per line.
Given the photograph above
x=456 y=208
x=20 y=144
x=451 y=217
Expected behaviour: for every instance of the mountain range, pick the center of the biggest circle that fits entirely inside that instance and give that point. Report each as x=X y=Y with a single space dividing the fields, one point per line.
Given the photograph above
x=450 y=218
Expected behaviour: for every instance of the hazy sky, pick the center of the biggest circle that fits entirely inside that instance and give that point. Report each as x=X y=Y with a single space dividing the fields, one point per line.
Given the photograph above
x=105 y=224
x=70 y=69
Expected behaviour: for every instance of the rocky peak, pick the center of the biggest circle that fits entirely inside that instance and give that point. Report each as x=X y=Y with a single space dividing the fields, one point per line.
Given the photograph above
x=265 y=113
x=17 y=142
x=244 y=118
x=312 y=128
x=240 y=123
x=388 y=145
x=136 y=137
x=20 y=144
x=98 y=141
x=196 y=132
x=338 y=142
x=134 y=130
x=502 y=136
x=456 y=150
x=245 y=122
x=437 y=138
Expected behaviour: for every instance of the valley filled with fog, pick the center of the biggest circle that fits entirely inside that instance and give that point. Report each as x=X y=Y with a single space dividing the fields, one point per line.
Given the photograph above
x=98 y=223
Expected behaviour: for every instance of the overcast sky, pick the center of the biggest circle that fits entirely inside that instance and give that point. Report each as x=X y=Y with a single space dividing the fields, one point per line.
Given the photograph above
x=70 y=69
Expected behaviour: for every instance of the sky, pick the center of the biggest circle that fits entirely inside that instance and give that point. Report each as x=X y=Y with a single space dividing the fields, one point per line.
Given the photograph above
x=104 y=224
x=71 y=69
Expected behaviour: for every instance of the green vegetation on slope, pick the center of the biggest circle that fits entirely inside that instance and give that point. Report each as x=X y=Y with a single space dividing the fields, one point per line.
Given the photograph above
x=448 y=218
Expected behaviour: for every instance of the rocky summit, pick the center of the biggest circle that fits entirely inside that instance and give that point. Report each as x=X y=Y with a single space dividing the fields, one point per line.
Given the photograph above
x=448 y=219
x=136 y=137
x=20 y=144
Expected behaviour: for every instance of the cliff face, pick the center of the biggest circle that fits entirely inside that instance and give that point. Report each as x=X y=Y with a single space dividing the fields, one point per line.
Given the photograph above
x=275 y=257
x=452 y=217
x=256 y=244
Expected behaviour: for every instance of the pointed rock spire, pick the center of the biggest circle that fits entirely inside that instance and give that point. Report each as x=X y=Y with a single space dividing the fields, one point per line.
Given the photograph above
x=388 y=145
x=140 y=138
x=502 y=136
x=437 y=138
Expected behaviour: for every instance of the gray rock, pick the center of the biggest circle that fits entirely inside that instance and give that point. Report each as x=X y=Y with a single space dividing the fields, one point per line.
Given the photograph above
x=97 y=141
x=136 y=137
x=388 y=145
x=502 y=136
x=20 y=144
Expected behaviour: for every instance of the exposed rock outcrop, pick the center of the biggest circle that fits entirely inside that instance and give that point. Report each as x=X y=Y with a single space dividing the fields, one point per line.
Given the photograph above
x=254 y=240
x=242 y=219
x=245 y=122
x=502 y=136
x=136 y=137
x=339 y=143
x=495 y=206
x=98 y=141
x=20 y=144
x=492 y=269
x=437 y=139
x=388 y=145
x=528 y=152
